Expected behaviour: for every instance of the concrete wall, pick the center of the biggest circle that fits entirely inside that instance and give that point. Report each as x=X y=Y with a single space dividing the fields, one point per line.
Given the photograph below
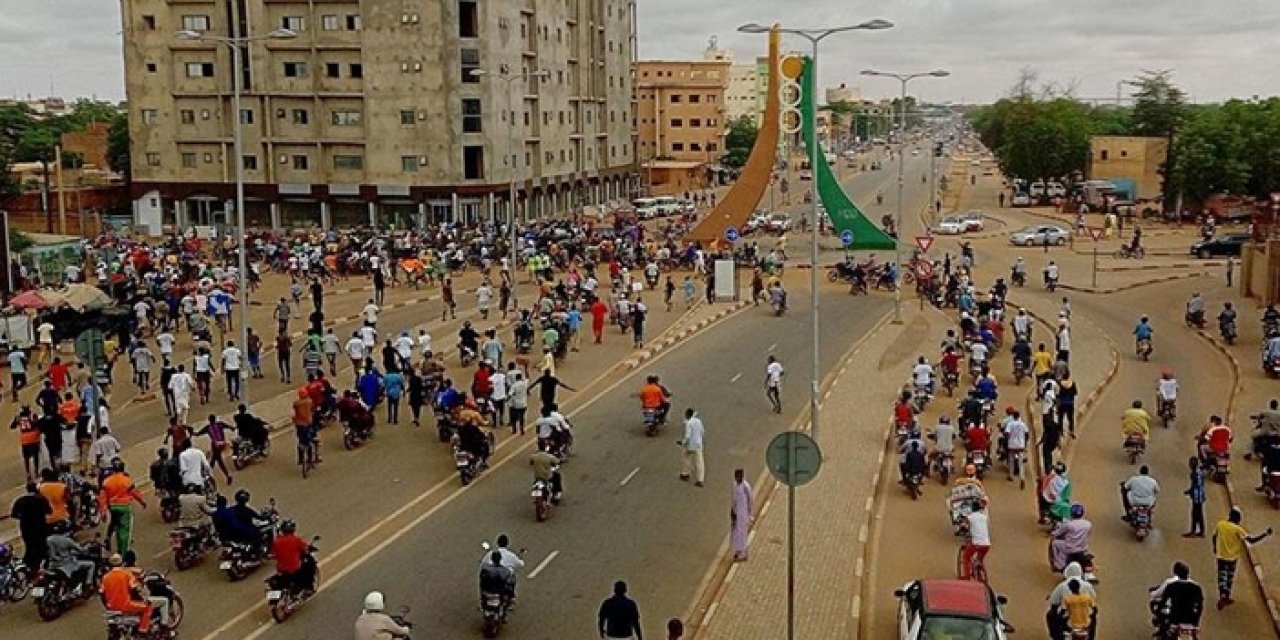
x=1132 y=157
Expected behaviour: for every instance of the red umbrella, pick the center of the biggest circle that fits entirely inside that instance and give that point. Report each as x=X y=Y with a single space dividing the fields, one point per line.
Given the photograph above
x=29 y=300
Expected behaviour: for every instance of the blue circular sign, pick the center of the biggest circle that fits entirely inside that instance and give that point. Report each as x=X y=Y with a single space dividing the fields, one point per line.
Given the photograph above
x=846 y=237
x=731 y=234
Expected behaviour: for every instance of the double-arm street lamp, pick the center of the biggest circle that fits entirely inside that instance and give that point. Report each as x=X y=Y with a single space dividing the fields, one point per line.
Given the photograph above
x=903 y=78
x=236 y=44
x=510 y=79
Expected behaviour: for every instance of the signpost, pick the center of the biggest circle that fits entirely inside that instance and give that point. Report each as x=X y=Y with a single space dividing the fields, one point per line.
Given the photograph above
x=731 y=234
x=924 y=242
x=90 y=349
x=846 y=238
x=1096 y=232
x=794 y=459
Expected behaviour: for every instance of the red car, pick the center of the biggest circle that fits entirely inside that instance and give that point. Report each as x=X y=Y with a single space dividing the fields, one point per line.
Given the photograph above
x=950 y=609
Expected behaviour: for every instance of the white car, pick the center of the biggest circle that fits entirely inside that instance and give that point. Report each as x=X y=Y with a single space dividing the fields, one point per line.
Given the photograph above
x=950 y=226
x=806 y=174
x=971 y=221
x=1020 y=199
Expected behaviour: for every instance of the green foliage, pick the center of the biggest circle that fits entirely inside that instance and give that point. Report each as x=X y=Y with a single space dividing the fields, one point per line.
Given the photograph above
x=1158 y=104
x=18 y=241
x=739 y=140
x=1232 y=147
x=118 y=145
x=1042 y=138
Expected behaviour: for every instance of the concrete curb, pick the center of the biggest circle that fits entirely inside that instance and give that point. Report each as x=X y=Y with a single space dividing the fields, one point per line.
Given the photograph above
x=649 y=352
x=1232 y=493
x=1174 y=265
x=1135 y=285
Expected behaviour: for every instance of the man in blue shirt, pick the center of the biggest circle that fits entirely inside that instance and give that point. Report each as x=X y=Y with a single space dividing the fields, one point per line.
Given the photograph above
x=575 y=324
x=1143 y=331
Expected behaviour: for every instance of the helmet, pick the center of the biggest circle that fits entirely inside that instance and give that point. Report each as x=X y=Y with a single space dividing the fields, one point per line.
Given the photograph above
x=1077 y=510
x=115 y=560
x=242 y=496
x=945 y=419
x=1009 y=410
x=970 y=470
x=288 y=526
x=1143 y=318
x=1167 y=374
x=374 y=601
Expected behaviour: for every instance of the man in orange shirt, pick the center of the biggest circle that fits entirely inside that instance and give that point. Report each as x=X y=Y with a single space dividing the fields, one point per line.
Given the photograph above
x=55 y=492
x=304 y=427
x=29 y=440
x=120 y=593
x=69 y=409
x=118 y=492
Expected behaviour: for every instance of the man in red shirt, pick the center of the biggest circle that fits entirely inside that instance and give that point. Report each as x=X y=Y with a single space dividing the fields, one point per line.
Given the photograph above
x=1215 y=438
x=599 y=311
x=59 y=374
x=977 y=438
x=950 y=362
x=294 y=567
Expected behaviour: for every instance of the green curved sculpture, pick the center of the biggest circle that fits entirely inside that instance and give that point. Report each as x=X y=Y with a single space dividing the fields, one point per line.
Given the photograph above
x=844 y=214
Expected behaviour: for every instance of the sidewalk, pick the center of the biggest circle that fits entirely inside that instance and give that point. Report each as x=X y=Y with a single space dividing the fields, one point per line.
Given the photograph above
x=832 y=512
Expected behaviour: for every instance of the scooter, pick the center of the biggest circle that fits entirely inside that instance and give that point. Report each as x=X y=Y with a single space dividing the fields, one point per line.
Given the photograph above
x=124 y=626
x=245 y=453
x=1135 y=446
x=1195 y=319
x=544 y=499
x=283 y=599
x=190 y=544
x=944 y=465
x=1140 y=521
x=1227 y=329
x=1144 y=348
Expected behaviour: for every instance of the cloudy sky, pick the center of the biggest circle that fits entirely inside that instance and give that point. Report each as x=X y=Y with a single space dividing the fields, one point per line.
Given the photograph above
x=1217 y=49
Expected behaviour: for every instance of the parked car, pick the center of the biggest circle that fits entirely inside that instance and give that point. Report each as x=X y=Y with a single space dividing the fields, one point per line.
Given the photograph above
x=778 y=223
x=806 y=174
x=949 y=609
x=1020 y=199
x=1056 y=190
x=1226 y=244
x=1038 y=189
x=972 y=221
x=950 y=226
x=756 y=221
x=1039 y=234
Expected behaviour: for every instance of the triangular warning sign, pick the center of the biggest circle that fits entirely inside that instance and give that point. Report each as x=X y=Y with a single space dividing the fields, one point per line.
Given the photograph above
x=1096 y=232
x=924 y=242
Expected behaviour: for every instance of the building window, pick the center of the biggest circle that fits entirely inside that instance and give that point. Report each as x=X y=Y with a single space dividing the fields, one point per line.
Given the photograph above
x=562 y=118
x=188 y=160
x=301 y=116
x=675 y=98
x=473 y=163
x=250 y=162
x=695 y=122
x=676 y=123
x=332 y=69
x=677 y=146
x=295 y=69
x=149 y=116
x=470 y=61
x=409 y=164
x=407 y=117
x=348 y=163
x=293 y=23
x=528 y=158
x=526 y=118
x=246 y=116
x=187 y=116
x=208 y=158
x=346 y=118
x=695 y=146
x=1103 y=154
x=149 y=23
x=472 y=122
x=468 y=20
x=353 y=22
x=711 y=146
x=695 y=98
x=151 y=67
x=195 y=23
x=329 y=23
x=1124 y=153
x=300 y=162
x=711 y=97
x=357 y=70
x=199 y=69
x=153 y=159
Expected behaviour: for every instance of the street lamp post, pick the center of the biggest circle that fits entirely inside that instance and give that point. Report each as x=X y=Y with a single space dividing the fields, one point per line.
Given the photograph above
x=511 y=146
x=814 y=36
x=903 y=78
x=236 y=43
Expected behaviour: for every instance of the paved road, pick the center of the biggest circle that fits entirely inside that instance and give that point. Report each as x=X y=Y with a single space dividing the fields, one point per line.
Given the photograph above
x=1017 y=563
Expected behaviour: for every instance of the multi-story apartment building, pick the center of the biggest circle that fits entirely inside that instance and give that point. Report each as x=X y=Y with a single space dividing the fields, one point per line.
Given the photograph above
x=373 y=112
x=681 y=109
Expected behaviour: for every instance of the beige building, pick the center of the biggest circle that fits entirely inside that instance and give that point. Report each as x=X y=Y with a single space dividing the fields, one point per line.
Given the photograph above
x=372 y=113
x=681 y=110
x=844 y=93
x=1132 y=158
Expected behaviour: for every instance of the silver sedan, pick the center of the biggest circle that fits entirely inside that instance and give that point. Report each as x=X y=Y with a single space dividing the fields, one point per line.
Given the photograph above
x=1038 y=235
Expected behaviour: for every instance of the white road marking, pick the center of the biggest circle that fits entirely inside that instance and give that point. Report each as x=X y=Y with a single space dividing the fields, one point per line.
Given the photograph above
x=629 y=477
x=543 y=565
x=735 y=378
x=773 y=346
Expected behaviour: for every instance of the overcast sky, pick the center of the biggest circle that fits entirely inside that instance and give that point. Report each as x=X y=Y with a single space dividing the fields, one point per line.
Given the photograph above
x=1217 y=49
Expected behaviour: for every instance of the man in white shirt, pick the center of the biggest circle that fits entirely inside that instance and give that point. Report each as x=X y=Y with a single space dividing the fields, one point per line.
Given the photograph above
x=484 y=296
x=231 y=358
x=356 y=350
x=424 y=344
x=181 y=384
x=979 y=543
x=694 y=464
x=193 y=466
x=404 y=349
x=1016 y=434
x=166 y=341
x=1166 y=391
x=922 y=374
x=142 y=359
x=1064 y=344
x=1139 y=491
x=978 y=352
x=773 y=373
x=369 y=336
x=141 y=309
x=44 y=341
x=370 y=314
x=1022 y=324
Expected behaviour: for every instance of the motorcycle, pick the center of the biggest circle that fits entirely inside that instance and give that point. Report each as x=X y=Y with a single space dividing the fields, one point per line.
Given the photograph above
x=1168 y=411
x=190 y=544
x=54 y=592
x=1019 y=371
x=1128 y=251
x=444 y=424
x=466 y=355
x=1140 y=521
x=944 y=465
x=239 y=559
x=1195 y=319
x=654 y=420
x=284 y=599
x=1085 y=560
x=1227 y=329
x=170 y=506
x=1271 y=488
x=1219 y=465
x=1051 y=284
x=1164 y=630
x=15 y=578
x=1144 y=348
x=950 y=380
x=778 y=307
x=1271 y=366
x=920 y=398
x=1135 y=446
x=353 y=437
x=468 y=464
x=980 y=461
x=494 y=609
x=1019 y=278
x=903 y=431
x=543 y=497
x=124 y=626
x=245 y=453
x=86 y=514
x=914 y=483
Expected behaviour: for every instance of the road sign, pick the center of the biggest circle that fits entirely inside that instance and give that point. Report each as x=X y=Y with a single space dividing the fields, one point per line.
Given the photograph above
x=793 y=458
x=731 y=234
x=1096 y=232
x=924 y=242
x=846 y=237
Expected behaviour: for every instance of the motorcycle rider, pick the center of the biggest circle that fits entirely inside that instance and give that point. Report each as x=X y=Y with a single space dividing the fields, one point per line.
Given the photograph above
x=1178 y=600
x=373 y=622
x=1214 y=440
x=497 y=578
x=1266 y=429
x=922 y=374
x=1227 y=320
x=1195 y=309
x=468 y=339
x=69 y=558
x=913 y=461
x=553 y=429
x=1166 y=391
x=1135 y=421
x=471 y=437
x=1021 y=351
x=194 y=511
x=654 y=396
x=120 y=594
x=1139 y=490
x=545 y=468
x=238 y=523
x=250 y=427
x=777 y=295
x=1271 y=351
x=949 y=364
x=295 y=569
x=164 y=473
x=943 y=436
x=1055 y=617
x=1051 y=273
x=1018 y=272
x=971 y=411
x=1143 y=332
x=1070 y=537
x=1080 y=607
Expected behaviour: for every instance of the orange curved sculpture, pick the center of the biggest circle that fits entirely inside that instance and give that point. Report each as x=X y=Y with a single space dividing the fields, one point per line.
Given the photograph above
x=737 y=205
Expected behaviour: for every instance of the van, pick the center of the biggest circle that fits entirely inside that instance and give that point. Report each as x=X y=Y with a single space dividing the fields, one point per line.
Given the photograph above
x=645 y=207
x=668 y=205
x=1037 y=189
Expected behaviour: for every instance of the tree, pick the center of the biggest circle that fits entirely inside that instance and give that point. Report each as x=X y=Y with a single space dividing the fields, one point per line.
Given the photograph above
x=85 y=111
x=739 y=141
x=15 y=120
x=1158 y=104
x=118 y=146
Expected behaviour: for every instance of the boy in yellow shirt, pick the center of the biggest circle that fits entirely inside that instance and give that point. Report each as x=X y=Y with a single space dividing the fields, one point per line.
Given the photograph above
x=1229 y=540
x=1079 y=607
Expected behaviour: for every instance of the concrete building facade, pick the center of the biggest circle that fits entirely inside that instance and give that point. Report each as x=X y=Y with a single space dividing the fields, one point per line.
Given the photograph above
x=681 y=109
x=844 y=93
x=1134 y=158
x=372 y=114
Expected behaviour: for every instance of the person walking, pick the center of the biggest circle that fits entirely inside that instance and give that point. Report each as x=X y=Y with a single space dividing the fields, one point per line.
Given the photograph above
x=1231 y=265
x=599 y=311
x=255 y=353
x=619 y=615
x=694 y=464
x=484 y=297
x=773 y=373
x=740 y=515
x=517 y=398
x=450 y=308
x=231 y=360
x=638 y=314
x=32 y=510
x=181 y=385
x=1229 y=540
x=284 y=353
x=1196 y=494
x=1067 y=392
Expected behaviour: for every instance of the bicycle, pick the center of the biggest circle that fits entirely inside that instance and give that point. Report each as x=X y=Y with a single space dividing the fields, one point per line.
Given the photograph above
x=308 y=453
x=978 y=570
